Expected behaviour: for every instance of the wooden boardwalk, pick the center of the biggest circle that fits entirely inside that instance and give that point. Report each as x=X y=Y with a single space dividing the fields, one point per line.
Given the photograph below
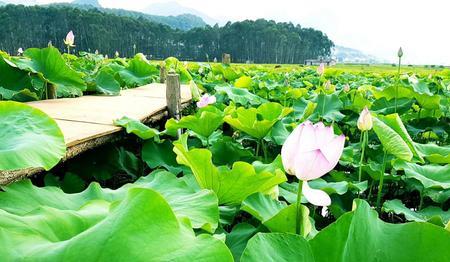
x=87 y=121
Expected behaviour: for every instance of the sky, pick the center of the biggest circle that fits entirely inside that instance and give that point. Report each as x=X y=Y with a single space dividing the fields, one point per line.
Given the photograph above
x=377 y=28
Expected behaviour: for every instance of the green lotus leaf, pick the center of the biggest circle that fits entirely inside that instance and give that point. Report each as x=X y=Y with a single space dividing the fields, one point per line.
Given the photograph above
x=434 y=153
x=106 y=84
x=391 y=140
x=138 y=72
x=356 y=236
x=136 y=127
x=430 y=214
x=232 y=186
x=28 y=138
x=204 y=122
x=256 y=122
x=51 y=66
x=394 y=122
x=431 y=176
x=238 y=237
x=240 y=96
x=141 y=226
x=277 y=216
x=161 y=155
x=199 y=207
x=328 y=107
x=277 y=247
x=243 y=82
x=174 y=63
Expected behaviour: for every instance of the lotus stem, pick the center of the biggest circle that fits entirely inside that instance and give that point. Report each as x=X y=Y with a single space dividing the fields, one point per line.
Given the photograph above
x=398 y=81
x=380 y=185
x=264 y=149
x=364 y=141
x=421 y=200
x=298 y=215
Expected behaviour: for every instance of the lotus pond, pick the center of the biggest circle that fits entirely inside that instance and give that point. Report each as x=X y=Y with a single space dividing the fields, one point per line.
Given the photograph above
x=268 y=163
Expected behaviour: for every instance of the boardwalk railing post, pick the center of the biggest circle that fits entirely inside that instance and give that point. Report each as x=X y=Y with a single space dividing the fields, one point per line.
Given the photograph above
x=226 y=59
x=173 y=95
x=51 y=91
x=162 y=73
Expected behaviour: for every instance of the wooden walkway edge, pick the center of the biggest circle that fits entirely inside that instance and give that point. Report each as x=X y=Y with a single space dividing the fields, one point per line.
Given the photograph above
x=87 y=121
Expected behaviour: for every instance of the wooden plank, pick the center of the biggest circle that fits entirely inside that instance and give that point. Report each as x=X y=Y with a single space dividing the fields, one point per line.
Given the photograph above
x=87 y=121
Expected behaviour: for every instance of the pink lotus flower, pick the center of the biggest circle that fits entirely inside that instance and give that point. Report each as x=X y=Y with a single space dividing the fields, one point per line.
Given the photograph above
x=70 y=39
x=206 y=100
x=321 y=69
x=310 y=152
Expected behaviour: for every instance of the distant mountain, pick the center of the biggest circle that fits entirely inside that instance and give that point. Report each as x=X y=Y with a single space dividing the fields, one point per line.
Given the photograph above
x=349 y=55
x=182 y=22
x=93 y=3
x=174 y=8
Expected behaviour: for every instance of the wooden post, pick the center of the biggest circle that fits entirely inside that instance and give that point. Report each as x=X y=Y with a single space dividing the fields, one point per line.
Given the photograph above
x=51 y=91
x=162 y=72
x=173 y=95
x=226 y=58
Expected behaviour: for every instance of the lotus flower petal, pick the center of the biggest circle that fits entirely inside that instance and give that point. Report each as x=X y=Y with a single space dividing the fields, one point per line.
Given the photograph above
x=311 y=151
x=315 y=196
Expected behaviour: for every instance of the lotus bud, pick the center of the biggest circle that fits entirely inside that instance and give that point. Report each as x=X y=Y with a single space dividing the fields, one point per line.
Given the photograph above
x=321 y=69
x=206 y=100
x=346 y=88
x=20 y=51
x=365 y=122
x=117 y=54
x=96 y=52
x=400 y=52
x=106 y=57
x=70 y=39
x=328 y=85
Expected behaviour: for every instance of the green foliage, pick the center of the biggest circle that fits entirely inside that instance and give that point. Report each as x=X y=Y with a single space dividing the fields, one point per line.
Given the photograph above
x=256 y=122
x=28 y=138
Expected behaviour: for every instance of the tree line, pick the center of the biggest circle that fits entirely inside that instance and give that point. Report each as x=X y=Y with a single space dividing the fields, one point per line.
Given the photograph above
x=259 y=41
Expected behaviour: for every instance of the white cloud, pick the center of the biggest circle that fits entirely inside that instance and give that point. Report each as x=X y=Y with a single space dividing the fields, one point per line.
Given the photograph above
x=375 y=27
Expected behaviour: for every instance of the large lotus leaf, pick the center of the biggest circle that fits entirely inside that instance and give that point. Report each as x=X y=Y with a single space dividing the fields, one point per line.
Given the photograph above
x=173 y=63
x=391 y=140
x=277 y=247
x=226 y=151
x=430 y=176
x=385 y=107
x=361 y=236
x=394 y=122
x=238 y=237
x=431 y=214
x=16 y=84
x=241 y=96
x=203 y=123
x=199 y=207
x=24 y=95
x=328 y=107
x=358 y=236
x=161 y=155
x=139 y=72
x=428 y=102
x=136 y=127
x=256 y=122
x=277 y=216
x=434 y=153
x=391 y=91
x=141 y=227
x=106 y=84
x=232 y=186
x=28 y=138
x=243 y=82
x=48 y=63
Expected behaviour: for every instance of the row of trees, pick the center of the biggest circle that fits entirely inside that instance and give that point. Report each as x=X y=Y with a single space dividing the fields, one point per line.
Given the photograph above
x=259 y=41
